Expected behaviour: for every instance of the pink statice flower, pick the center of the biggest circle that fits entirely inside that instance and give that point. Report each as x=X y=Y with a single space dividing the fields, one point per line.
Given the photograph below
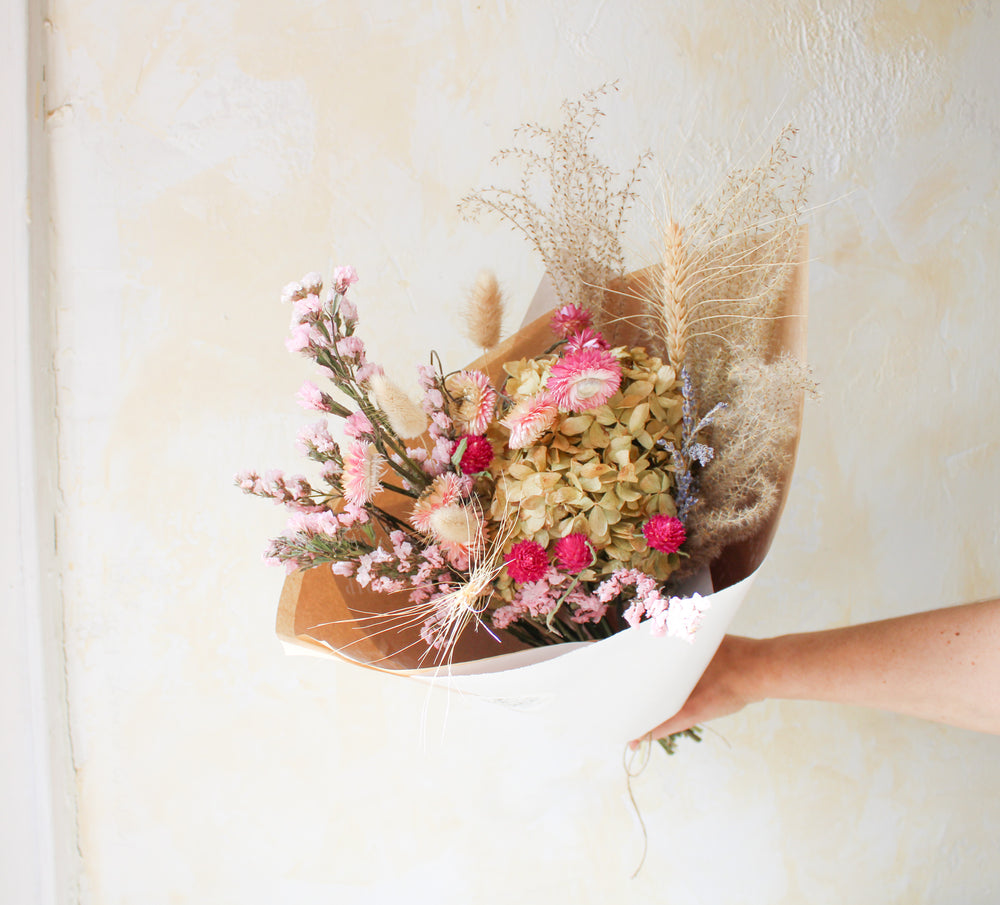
x=350 y=347
x=300 y=338
x=586 y=607
x=664 y=533
x=344 y=568
x=344 y=277
x=292 y=292
x=305 y=308
x=586 y=339
x=477 y=455
x=316 y=440
x=363 y=465
x=367 y=371
x=536 y=598
x=569 y=319
x=357 y=425
x=573 y=553
x=348 y=311
x=529 y=419
x=527 y=561
x=312 y=398
x=584 y=380
x=503 y=616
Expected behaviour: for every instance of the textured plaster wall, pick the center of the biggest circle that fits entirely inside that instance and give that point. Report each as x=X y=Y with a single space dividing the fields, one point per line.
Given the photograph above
x=205 y=154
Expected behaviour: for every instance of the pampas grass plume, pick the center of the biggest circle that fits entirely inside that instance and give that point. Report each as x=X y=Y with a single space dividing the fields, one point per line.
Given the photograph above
x=484 y=312
x=406 y=418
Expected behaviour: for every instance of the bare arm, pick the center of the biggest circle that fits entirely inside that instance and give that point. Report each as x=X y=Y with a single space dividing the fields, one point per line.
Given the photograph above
x=943 y=665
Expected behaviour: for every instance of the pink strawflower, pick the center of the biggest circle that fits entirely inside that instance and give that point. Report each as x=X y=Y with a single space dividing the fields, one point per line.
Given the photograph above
x=664 y=533
x=529 y=419
x=357 y=425
x=344 y=277
x=445 y=490
x=569 y=319
x=573 y=553
x=584 y=380
x=477 y=456
x=475 y=400
x=527 y=561
x=363 y=465
x=586 y=339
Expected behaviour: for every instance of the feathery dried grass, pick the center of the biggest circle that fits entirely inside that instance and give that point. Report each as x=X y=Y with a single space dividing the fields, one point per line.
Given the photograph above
x=484 y=311
x=568 y=204
x=708 y=305
x=754 y=438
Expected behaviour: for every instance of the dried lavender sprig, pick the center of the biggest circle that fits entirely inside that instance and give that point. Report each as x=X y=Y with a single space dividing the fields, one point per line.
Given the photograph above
x=691 y=451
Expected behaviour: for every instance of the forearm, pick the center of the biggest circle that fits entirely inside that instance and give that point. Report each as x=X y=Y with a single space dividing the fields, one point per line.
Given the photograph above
x=942 y=665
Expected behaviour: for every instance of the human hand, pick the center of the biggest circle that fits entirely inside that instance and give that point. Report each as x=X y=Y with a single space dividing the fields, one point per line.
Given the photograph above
x=727 y=686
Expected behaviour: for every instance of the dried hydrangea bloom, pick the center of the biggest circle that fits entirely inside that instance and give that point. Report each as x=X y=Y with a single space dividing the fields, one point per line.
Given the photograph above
x=599 y=473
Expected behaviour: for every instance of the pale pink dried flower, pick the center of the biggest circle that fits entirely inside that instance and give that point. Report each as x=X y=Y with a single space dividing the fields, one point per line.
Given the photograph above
x=344 y=277
x=311 y=397
x=586 y=339
x=445 y=490
x=569 y=319
x=529 y=419
x=584 y=380
x=475 y=400
x=357 y=425
x=363 y=465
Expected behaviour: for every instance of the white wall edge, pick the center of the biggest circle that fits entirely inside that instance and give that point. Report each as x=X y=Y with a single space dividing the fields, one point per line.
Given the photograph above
x=38 y=844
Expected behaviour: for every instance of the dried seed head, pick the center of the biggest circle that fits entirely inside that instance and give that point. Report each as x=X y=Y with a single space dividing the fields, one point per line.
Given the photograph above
x=484 y=312
x=406 y=418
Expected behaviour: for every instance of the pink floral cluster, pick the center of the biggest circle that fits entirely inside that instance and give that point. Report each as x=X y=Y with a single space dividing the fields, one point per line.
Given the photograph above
x=584 y=377
x=544 y=595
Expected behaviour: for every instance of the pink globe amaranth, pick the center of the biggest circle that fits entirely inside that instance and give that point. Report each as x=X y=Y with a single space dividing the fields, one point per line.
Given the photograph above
x=478 y=454
x=664 y=533
x=573 y=553
x=527 y=561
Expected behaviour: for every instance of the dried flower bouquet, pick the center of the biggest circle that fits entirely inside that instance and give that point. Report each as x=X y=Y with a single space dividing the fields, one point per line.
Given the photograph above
x=559 y=488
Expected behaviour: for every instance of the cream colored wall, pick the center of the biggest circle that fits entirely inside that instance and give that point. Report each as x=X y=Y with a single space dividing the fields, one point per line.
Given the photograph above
x=205 y=154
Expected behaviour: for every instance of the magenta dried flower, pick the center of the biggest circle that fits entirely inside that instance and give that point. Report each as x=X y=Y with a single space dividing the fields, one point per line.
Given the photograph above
x=664 y=533
x=527 y=561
